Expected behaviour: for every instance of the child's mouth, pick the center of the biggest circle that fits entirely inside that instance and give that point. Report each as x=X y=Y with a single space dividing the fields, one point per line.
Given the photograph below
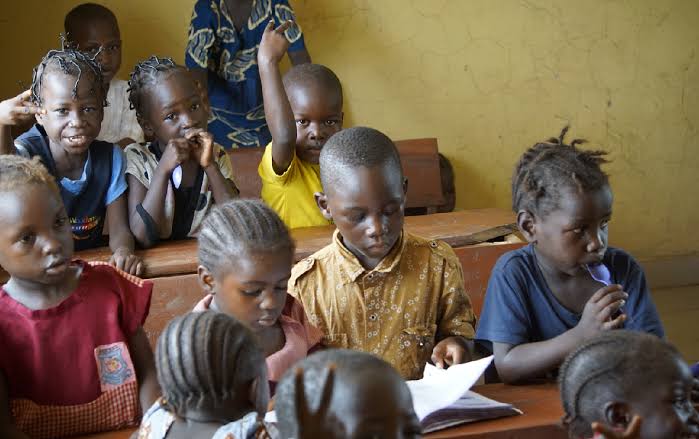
x=76 y=139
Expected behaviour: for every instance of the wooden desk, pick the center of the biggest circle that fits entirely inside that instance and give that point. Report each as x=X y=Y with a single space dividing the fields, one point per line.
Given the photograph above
x=539 y=402
x=542 y=409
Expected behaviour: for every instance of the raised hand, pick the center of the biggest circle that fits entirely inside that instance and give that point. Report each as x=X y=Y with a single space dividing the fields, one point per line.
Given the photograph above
x=274 y=43
x=603 y=431
x=320 y=423
x=598 y=311
x=19 y=109
x=202 y=146
x=176 y=152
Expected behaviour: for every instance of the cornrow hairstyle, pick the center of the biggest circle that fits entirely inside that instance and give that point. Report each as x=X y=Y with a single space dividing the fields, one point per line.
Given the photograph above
x=355 y=147
x=611 y=366
x=548 y=166
x=307 y=74
x=17 y=172
x=203 y=359
x=349 y=367
x=72 y=62
x=145 y=74
x=237 y=227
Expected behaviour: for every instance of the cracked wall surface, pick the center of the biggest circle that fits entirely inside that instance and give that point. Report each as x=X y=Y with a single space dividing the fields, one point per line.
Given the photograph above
x=488 y=78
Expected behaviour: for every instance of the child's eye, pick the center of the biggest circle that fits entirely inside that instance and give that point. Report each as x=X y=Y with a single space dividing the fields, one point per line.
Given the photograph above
x=605 y=224
x=27 y=238
x=330 y=122
x=252 y=293
x=114 y=47
x=60 y=222
x=578 y=231
x=195 y=107
x=302 y=122
x=89 y=109
x=61 y=111
x=170 y=116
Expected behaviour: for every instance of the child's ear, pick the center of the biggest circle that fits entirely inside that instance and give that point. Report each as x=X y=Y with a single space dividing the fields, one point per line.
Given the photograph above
x=526 y=221
x=617 y=414
x=405 y=187
x=322 y=202
x=206 y=280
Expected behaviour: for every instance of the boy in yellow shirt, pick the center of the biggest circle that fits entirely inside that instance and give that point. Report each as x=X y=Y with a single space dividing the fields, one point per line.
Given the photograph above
x=376 y=287
x=300 y=125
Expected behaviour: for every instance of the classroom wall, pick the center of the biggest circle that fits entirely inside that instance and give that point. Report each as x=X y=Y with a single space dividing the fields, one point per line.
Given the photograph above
x=487 y=78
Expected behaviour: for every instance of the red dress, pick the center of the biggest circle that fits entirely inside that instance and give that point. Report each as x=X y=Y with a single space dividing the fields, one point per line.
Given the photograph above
x=68 y=369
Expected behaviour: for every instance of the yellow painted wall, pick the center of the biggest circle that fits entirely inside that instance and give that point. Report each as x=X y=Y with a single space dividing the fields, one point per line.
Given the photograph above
x=487 y=78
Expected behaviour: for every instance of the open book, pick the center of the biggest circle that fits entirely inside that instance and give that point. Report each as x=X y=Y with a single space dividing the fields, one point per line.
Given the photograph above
x=442 y=397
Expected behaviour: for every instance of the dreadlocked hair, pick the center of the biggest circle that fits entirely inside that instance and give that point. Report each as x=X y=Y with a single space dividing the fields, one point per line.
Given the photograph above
x=237 y=227
x=145 y=74
x=203 y=359
x=17 y=171
x=546 y=167
x=69 y=61
x=611 y=366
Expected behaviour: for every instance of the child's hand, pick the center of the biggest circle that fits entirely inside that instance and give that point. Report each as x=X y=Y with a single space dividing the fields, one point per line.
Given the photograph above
x=695 y=391
x=320 y=423
x=19 y=109
x=176 y=152
x=274 y=43
x=125 y=260
x=599 y=309
x=202 y=147
x=450 y=351
x=633 y=431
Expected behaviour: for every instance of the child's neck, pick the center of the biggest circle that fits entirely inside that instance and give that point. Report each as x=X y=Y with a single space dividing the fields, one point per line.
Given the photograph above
x=38 y=296
x=221 y=414
x=67 y=165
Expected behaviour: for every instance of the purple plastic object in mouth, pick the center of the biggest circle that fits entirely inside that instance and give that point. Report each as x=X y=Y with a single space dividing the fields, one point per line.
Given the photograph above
x=600 y=273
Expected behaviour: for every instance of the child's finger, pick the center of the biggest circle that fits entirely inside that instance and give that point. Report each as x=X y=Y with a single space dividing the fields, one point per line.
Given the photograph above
x=25 y=95
x=614 y=324
x=603 y=292
x=270 y=26
x=284 y=26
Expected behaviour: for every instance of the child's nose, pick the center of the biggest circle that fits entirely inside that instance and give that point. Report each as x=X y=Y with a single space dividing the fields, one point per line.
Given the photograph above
x=596 y=241
x=316 y=130
x=51 y=245
x=269 y=301
x=376 y=226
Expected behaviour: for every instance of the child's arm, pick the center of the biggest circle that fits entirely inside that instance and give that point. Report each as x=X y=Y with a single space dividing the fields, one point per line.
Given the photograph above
x=15 y=111
x=203 y=153
x=531 y=360
x=299 y=57
x=144 y=362
x=7 y=428
x=280 y=118
x=152 y=199
x=120 y=238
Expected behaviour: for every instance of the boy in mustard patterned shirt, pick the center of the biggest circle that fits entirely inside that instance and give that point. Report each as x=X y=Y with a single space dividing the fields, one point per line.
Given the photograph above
x=376 y=287
x=300 y=125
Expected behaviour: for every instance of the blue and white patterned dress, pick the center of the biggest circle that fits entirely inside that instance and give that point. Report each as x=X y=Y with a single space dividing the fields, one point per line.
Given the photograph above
x=230 y=57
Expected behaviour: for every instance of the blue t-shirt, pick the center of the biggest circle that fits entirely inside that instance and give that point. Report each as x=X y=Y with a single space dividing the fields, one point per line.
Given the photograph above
x=520 y=308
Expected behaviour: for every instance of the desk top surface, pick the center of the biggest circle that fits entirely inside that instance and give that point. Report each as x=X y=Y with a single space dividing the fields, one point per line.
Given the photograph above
x=461 y=228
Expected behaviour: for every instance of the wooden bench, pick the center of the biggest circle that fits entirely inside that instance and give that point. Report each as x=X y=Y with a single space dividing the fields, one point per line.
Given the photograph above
x=419 y=158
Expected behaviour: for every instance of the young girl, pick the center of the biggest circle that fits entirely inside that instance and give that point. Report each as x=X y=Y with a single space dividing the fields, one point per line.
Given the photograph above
x=245 y=257
x=566 y=286
x=213 y=386
x=174 y=180
x=67 y=88
x=617 y=376
x=74 y=358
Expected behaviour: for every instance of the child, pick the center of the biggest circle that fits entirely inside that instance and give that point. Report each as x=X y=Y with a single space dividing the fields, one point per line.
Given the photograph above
x=618 y=375
x=213 y=385
x=376 y=287
x=174 y=180
x=566 y=286
x=300 y=126
x=222 y=49
x=362 y=396
x=93 y=29
x=74 y=358
x=68 y=89
x=245 y=256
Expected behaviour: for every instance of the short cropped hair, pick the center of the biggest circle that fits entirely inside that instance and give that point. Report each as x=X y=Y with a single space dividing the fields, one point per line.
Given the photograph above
x=203 y=358
x=83 y=13
x=306 y=74
x=17 y=172
x=548 y=167
x=348 y=363
x=355 y=147
x=612 y=365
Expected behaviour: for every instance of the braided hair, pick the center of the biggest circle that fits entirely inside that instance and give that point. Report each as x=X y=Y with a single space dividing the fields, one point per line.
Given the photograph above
x=204 y=358
x=237 y=227
x=17 y=171
x=70 y=61
x=548 y=166
x=145 y=74
x=611 y=366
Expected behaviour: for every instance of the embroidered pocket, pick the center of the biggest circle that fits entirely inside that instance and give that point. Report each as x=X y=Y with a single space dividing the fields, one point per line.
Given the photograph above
x=114 y=365
x=416 y=343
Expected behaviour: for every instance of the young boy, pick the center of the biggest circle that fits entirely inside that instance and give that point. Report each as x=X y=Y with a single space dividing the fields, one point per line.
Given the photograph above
x=289 y=167
x=358 y=395
x=92 y=28
x=378 y=288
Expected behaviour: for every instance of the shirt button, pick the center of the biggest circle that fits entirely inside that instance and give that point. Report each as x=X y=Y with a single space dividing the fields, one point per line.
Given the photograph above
x=433 y=244
x=370 y=276
x=373 y=317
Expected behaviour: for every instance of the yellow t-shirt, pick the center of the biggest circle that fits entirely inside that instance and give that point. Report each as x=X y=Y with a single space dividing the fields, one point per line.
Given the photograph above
x=291 y=194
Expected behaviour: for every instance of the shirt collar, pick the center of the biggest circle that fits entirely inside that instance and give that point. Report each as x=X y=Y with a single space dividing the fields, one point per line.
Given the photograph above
x=350 y=268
